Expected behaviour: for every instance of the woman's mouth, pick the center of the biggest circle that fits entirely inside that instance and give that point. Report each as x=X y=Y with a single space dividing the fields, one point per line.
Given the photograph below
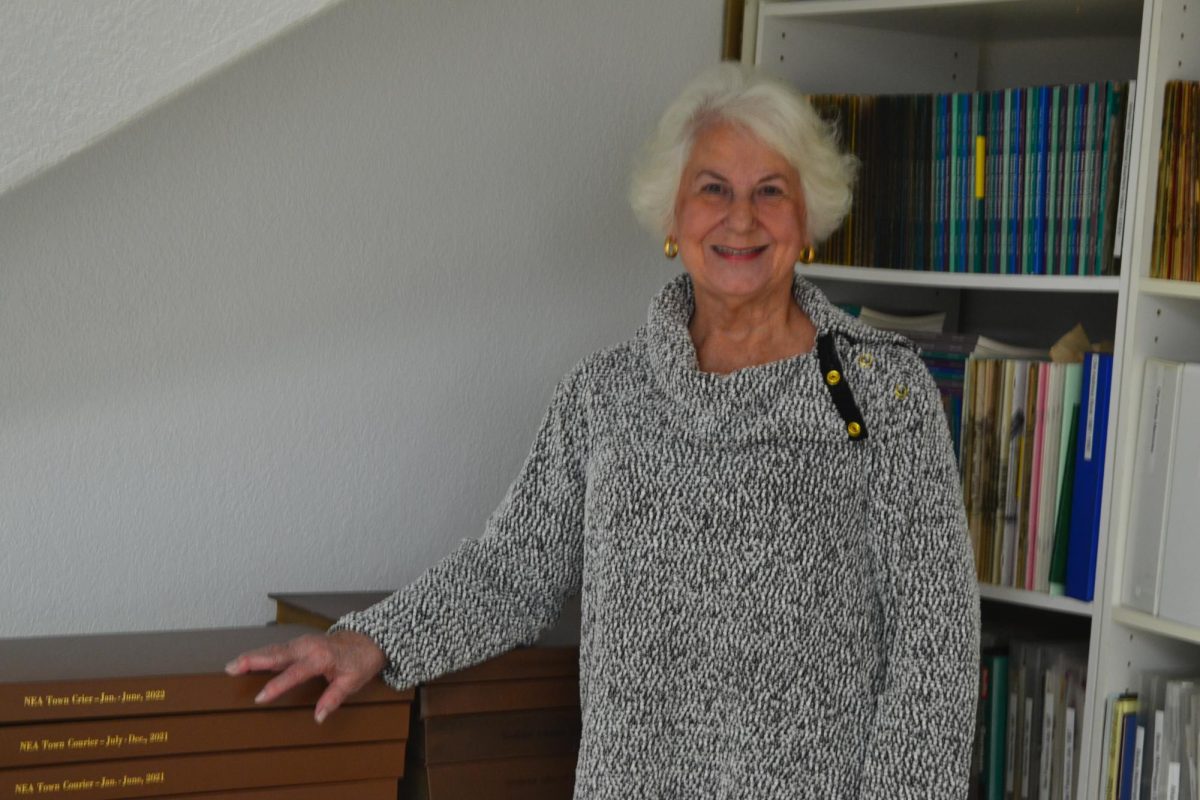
x=739 y=253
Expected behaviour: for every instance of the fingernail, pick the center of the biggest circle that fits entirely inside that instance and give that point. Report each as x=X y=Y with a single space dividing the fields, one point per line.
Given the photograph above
x=261 y=696
x=321 y=715
x=231 y=667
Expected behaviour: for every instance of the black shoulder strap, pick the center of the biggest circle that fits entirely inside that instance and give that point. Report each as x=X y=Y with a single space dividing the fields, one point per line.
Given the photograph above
x=839 y=387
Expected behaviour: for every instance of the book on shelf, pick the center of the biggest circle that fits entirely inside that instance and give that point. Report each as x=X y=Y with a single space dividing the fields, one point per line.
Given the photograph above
x=1036 y=423
x=1066 y=491
x=1011 y=466
x=1115 y=706
x=1063 y=704
x=1086 y=503
x=1030 y=675
x=1021 y=181
x=1176 y=231
x=207 y=772
x=992 y=731
x=1151 y=703
x=1002 y=544
x=1127 y=763
x=929 y=322
x=1162 y=548
x=986 y=347
x=51 y=678
x=1157 y=444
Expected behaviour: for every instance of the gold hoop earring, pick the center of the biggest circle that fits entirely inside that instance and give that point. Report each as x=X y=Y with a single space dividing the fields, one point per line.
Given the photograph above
x=808 y=255
x=670 y=247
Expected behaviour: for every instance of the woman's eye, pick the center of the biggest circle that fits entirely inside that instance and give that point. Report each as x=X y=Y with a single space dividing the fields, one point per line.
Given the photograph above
x=712 y=188
x=771 y=191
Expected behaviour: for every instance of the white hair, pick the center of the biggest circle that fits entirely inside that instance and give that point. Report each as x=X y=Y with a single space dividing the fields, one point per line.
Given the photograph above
x=774 y=112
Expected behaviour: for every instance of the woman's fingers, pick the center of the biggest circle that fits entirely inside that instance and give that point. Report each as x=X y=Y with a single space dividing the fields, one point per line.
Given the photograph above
x=334 y=695
x=290 y=678
x=273 y=657
x=346 y=660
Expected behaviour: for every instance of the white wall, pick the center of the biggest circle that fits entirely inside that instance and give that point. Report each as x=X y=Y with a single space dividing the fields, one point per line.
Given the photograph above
x=71 y=72
x=293 y=330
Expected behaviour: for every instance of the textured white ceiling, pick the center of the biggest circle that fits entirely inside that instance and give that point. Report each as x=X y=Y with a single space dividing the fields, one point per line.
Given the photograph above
x=71 y=72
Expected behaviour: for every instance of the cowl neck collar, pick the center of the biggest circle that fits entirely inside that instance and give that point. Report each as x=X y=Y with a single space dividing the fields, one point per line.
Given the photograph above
x=752 y=390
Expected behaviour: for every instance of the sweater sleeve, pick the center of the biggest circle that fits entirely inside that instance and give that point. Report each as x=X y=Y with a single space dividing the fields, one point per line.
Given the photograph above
x=922 y=737
x=503 y=589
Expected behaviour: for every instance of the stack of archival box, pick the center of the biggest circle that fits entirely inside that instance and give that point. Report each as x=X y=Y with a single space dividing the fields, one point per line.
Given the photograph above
x=153 y=715
x=507 y=728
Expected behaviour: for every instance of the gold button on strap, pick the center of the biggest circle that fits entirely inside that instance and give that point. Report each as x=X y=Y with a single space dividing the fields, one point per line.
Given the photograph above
x=838 y=386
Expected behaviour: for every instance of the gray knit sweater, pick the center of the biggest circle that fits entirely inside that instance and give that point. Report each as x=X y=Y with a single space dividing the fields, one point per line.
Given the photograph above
x=770 y=608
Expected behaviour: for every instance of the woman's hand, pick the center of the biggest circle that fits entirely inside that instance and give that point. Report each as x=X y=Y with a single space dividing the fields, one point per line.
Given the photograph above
x=347 y=660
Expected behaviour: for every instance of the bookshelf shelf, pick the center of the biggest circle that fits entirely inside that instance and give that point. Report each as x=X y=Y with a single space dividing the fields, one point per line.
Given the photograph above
x=1038 y=600
x=964 y=280
x=981 y=20
x=1189 y=290
x=1148 y=623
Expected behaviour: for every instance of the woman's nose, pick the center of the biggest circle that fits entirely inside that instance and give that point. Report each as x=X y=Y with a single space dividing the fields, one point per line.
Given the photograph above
x=741 y=214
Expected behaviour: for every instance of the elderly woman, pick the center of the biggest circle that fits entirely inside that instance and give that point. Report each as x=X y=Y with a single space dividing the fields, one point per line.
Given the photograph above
x=755 y=495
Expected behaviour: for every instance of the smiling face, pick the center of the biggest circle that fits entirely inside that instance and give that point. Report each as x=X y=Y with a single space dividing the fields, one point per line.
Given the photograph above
x=739 y=216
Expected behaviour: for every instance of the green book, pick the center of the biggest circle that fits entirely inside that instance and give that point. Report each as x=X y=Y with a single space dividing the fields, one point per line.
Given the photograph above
x=1062 y=525
x=1072 y=394
x=996 y=714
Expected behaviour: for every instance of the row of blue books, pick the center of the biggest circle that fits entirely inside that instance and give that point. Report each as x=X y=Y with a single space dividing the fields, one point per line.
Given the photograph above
x=1014 y=181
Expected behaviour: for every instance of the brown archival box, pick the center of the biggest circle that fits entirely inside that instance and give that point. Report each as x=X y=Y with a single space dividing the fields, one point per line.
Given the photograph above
x=473 y=737
x=155 y=777
x=27 y=745
x=357 y=790
x=140 y=674
x=538 y=778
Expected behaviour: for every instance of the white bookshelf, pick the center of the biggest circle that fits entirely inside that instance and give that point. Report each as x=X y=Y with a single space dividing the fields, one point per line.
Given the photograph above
x=932 y=46
x=1164 y=322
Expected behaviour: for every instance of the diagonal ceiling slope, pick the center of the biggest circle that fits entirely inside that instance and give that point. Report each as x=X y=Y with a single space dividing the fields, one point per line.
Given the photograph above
x=72 y=72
